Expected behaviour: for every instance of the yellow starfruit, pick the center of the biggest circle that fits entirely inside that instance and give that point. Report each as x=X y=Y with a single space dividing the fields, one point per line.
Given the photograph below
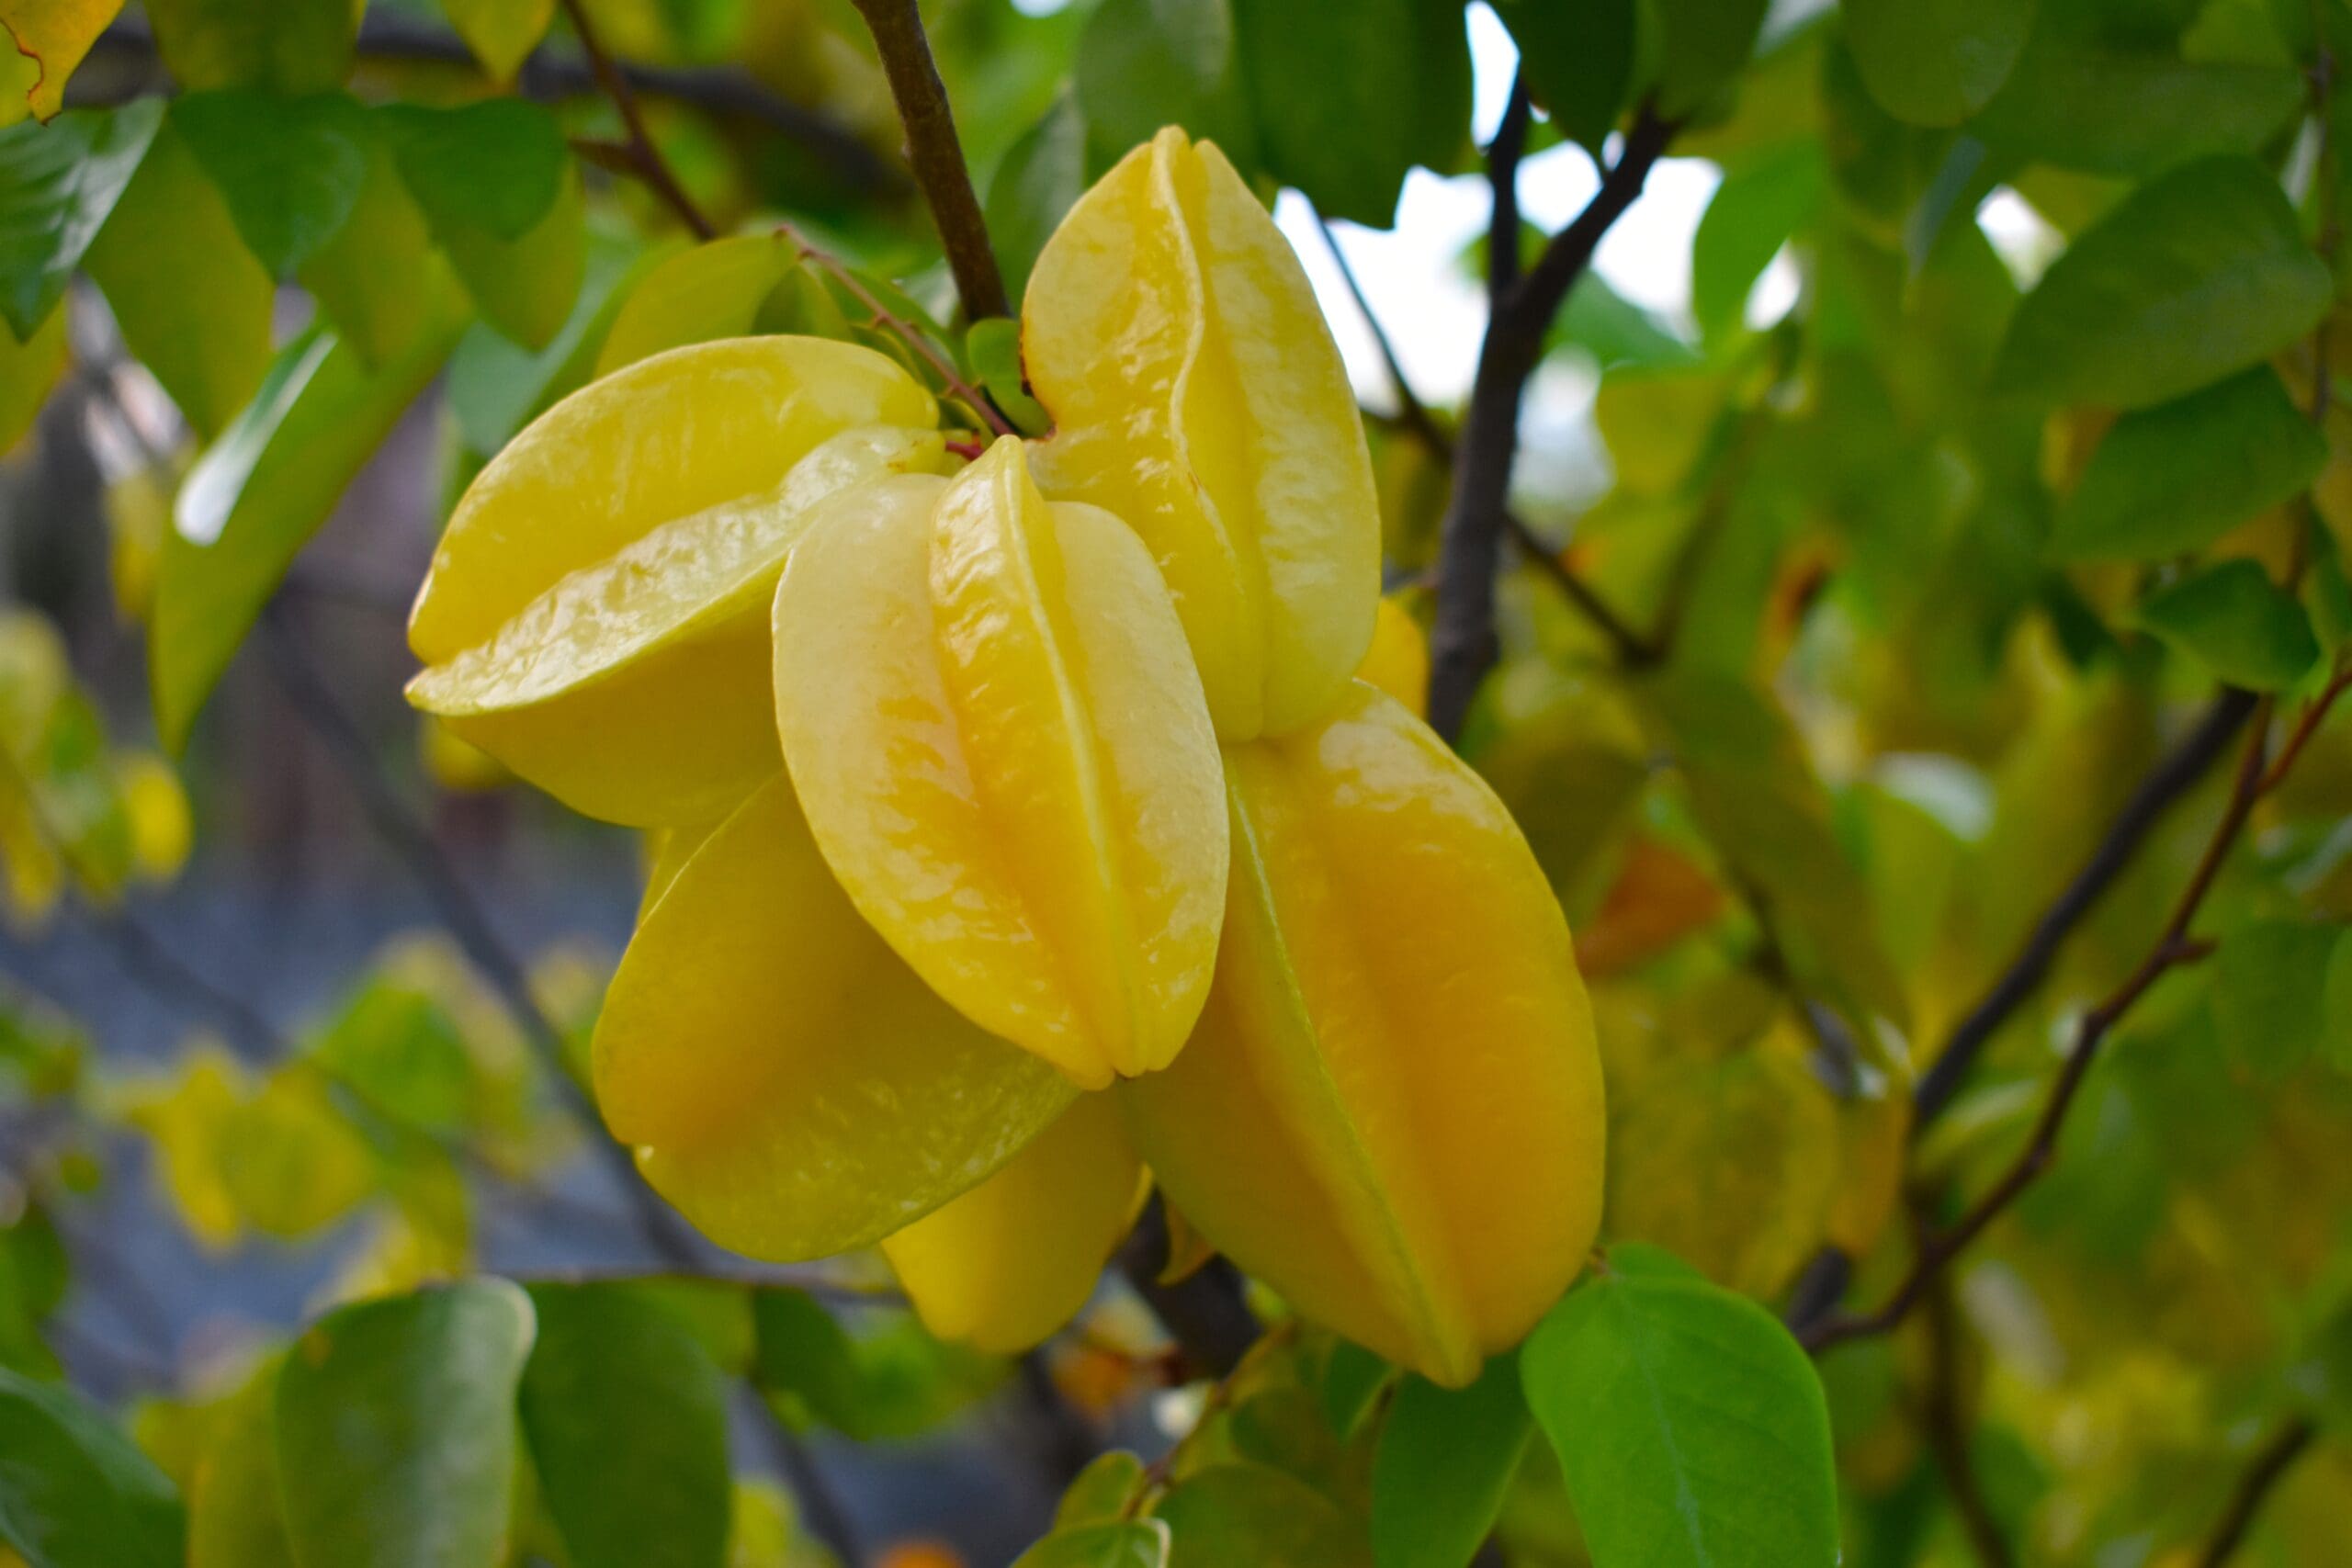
x=1007 y=1264
x=790 y=1085
x=1002 y=748
x=1399 y=659
x=595 y=613
x=1197 y=393
x=1391 y=1111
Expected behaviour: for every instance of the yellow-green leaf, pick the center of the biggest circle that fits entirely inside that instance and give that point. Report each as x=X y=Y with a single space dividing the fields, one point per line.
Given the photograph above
x=54 y=35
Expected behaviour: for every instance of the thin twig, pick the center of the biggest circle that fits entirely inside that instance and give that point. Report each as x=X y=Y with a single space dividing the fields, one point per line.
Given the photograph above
x=1463 y=645
x=1203 y=1312
x=935 y=154
x=2271 y=1462
x=1633 y=650
x=654 y=169
x=1946 y=1426
x=2174 y=946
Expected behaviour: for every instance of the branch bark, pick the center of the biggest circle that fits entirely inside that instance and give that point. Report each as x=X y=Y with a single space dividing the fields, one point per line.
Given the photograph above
x=1463 y=647
x=650 y=165
x=2270 y=1464
x=935 y=153
x=1203 y=1312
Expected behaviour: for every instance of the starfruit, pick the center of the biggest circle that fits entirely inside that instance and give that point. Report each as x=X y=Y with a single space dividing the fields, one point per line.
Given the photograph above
x=1010 y=1261
x=790 y=1084
x=1197 y=393
x=1391 y=1111
x=988 y=710
x=595 y=616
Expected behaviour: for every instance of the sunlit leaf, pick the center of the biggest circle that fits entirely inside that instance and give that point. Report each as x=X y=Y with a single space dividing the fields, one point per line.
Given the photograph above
x=501 y=33
x=54 y=35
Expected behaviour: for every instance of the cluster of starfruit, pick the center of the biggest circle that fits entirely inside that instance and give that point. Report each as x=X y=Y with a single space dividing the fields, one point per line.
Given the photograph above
x=1022 y=835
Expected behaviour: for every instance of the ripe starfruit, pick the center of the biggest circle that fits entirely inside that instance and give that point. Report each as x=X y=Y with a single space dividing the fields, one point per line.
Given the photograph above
x=1001 y=742
x=1007 y=1264
x=595 y=616
x=1196 y=392
x=1391 y=1111
x=788 y=1084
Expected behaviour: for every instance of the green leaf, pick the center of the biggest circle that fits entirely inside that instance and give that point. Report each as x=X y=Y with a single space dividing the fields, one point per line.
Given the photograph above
x=1039 y=179
x=2239 y=624
x=2195 y=276
x=1349 y=98
x=28 y=371
x=497 y=386
x=804 y=1353
x=1754 y=211
x=714 y=290
x=1348 y=1379
x=294 y=46
x=2328 y=591
x=1445 y=1463
x=527 y=287
x=1935 y=62
x=2270 y=982
x=497 y=166
x=257 y=494
x=371 y=278
x=291 y=168
x=33 y=1277
x=1690 y=1427
x=396 y=1429
x=993 y=349
x=235 y=1519
x=1578 y=61
x=1137 y=1543
x=1702 y=44
x=1102 y=1492
x=192 y=304
x=2335 y=1006
x=1145 y=63
x=74 y=1492
x=59 y=182
x=501 y=33
x=2178 y=477
x=627 y=1421
x=2105 y=111
x=1231 y=1513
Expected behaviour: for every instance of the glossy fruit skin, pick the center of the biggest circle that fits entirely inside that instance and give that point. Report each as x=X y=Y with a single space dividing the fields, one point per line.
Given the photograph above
x=1006 y=1265
x=788 y=1084
x=1391 y=1111
x=988 y=709
x=1197 y=393
x=608 y=574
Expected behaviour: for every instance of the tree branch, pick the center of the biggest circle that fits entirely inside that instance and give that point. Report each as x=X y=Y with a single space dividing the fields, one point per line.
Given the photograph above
x=2174 y=775
x=2173 y=947
x=650 y=165
x=1463 y=646
x=2271 y=1462
x=1946 y=1425
x=935 y=153
x=1203 y=1312
x=1503 y=154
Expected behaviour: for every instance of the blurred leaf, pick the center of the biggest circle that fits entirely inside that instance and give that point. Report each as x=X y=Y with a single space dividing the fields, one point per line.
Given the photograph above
x=235 y=1519
x=627 y=1421
x=713 y=291
x=1349 y=98
x=497 y=166
x=1755 y=210
x=74 y=1492
x=1350 y=1380
x=2335 y=1006
x=54 y=35
x=993 y=347
x=2195 y=276
x=1445 y=1463
x=290 y=1161
x=1614 y=332
x=28 y=372
x=1040 y=178
x=1935 y=62
x=291 y=168
x=804 y=1353
x=2109 y=110
x=2239 y=624
x=256 y=496
x=2270 y=981
x=1578 y=61
x=496 y=385
x=400 y=1047
x=1146 y=63
x=396 y=1431
x=293 y=46
x=2328 y=591
x=33 y=1276
x=1231 y=1513
x=1690 y=1427
x=1102 y=1492
x=1702 y=44
x=376 y=278
x=2176 y=477
x=1139 y=1543
x=501 y=33
x=59 y=182
x=526 y=288
x=191 y=302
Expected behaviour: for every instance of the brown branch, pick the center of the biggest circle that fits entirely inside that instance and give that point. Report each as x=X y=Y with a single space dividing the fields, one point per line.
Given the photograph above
x=650 y=165
x=1945 y=1423
x=1503 y=155
x=1203 y=1312
x=2173 y=947
x=1463 y=645
x=2271 y=1462
x=935 y=154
